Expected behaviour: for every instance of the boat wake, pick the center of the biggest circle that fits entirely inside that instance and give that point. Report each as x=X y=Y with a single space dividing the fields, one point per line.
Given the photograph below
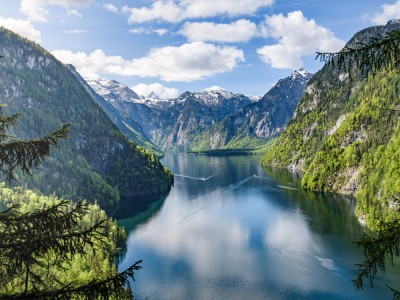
x=217 y=194
x=288 y=187
x=195 y=178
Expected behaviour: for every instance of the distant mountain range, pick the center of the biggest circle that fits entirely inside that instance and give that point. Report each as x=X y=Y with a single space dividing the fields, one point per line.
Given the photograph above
x=206 y=120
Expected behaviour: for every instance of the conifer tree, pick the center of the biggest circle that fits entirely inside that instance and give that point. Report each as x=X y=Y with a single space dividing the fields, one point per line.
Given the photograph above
x=382 y=51
x=51 y=231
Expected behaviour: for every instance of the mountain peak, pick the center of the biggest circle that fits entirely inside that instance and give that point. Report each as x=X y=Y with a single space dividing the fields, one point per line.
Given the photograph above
x=112 y=90
x=153 y=95
x=300 y=73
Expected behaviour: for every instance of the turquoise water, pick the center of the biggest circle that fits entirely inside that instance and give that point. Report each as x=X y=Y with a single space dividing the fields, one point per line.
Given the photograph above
x=232 y=230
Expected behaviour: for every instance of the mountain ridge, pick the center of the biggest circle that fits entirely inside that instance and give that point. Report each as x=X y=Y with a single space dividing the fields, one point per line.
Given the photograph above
x=95 y=161
x=182 y=123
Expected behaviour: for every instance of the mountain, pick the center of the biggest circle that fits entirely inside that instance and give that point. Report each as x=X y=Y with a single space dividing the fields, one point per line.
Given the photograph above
x=253 y=124
x=132 y=129
x=153 y=95
x=97 y=161
x=112 y=90
x=344 y=136
x=171 y=124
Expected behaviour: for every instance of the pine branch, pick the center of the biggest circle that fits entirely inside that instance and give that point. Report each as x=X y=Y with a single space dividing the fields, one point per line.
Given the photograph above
x=6 y=122
x=111 y=287
x=376 y=251
x=26 y=238
x=26 y=154
x=380 y=51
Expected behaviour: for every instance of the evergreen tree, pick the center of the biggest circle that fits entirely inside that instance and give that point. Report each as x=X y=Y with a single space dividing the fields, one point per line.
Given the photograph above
x=49 y=232
x=382 y=51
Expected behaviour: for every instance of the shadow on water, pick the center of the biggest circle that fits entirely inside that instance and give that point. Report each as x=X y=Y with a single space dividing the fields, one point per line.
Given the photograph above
x=327 y=212
x=133 y=211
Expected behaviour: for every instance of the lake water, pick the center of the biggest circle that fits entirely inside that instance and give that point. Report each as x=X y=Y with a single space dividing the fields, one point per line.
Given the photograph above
x=232 y=230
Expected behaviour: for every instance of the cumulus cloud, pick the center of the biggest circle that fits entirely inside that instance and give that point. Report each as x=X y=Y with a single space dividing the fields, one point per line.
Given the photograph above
x=297 y=37
x=36 y=10
x=177 y=10
x=388 y=12
x=214 y=88
x=138 y=30
x=22 y=27
x=188 y=62
x=110 y=7
x=161 y=91
x=161 y=31
x=141 y=30
x=239 y=31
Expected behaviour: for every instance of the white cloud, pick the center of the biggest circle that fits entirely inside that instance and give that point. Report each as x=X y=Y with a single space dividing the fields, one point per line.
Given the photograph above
x=76 y=31
x=388 y=12
x=22 y=27
x=297 y=37
x=161 y=31
x=188 y=62
x=214 y=88
x=36 y=12
x=177 y=10
x=138 y=30
x=141 y=30
x=239 y=31
x=74 y=13
x=110 y=7
x=161 y=91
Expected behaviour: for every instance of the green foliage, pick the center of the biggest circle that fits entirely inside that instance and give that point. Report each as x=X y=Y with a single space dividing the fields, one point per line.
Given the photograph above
x=347 y=142
x=51 y=248
x=377 y=250
x=379 y=52
x=24 y=154
x=346 y=136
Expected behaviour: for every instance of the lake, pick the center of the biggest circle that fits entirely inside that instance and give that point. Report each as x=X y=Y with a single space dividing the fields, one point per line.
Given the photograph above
x=231 y=230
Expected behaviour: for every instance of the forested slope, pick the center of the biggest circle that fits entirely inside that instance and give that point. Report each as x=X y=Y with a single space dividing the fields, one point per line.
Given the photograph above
x=97 y=161
x=345 y=137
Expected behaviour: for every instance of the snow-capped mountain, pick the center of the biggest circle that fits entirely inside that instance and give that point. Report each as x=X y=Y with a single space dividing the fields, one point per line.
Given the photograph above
x=113 y=91
x=263 y=119
x=175 y=124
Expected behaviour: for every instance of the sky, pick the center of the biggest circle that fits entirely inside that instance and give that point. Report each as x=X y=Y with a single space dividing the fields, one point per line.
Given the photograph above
x=173 y=46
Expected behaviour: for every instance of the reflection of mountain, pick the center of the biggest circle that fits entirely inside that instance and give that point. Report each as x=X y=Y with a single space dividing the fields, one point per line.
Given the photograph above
x=336 y=210
x=224 y=235
x=134 y=211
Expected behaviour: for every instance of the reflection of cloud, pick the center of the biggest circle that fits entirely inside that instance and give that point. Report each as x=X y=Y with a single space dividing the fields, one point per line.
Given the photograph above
x=327 y=263
x=212 y=238
x=210 y=243
x=290 y=234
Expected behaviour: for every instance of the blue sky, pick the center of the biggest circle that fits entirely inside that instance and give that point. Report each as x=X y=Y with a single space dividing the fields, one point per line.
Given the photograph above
x=171 y=46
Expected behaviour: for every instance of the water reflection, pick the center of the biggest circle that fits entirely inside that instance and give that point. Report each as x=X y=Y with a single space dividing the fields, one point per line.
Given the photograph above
x=245 y=233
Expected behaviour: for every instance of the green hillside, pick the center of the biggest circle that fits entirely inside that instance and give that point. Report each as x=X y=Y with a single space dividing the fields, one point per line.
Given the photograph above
x=97 y=161
x=344 y=137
